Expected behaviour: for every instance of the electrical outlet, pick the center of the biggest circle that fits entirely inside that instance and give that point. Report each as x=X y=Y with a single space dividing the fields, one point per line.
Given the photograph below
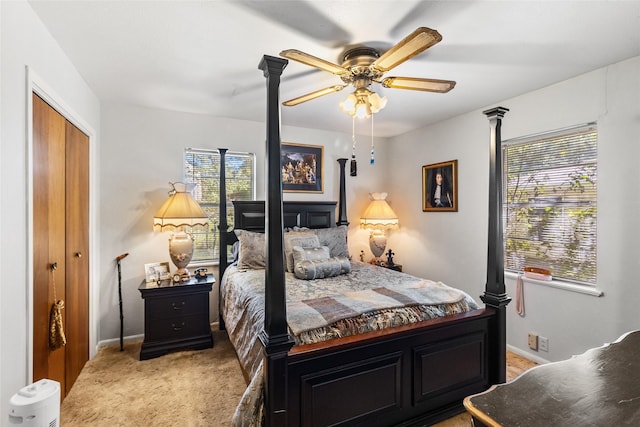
x=543 y=343
x=533 y=341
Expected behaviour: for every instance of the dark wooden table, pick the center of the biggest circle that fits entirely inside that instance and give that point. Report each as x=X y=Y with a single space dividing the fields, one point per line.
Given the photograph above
x=598 y=388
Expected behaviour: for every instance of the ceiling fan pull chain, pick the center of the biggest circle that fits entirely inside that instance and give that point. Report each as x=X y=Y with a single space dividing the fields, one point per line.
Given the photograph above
x=354 y=165
x=373 y=160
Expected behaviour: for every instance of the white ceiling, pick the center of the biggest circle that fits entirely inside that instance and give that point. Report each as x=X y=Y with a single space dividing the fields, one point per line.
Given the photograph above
x=202 y=56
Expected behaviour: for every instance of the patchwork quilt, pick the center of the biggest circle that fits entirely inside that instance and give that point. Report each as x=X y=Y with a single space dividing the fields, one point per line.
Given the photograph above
x=368 y=298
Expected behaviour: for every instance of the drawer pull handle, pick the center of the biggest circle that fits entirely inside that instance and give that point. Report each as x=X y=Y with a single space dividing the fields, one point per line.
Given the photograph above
x=177 y=328
x=179 y=306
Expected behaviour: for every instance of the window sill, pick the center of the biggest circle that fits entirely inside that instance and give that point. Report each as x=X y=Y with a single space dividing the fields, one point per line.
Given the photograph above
x=199 y=264
x=567 y=286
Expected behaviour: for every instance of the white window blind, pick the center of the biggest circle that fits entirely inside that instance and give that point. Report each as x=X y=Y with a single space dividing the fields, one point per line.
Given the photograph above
x=203 y=167
x=550 y=185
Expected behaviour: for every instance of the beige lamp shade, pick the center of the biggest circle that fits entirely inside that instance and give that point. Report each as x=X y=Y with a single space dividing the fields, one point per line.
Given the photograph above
x=379 y=215
x=180 y=211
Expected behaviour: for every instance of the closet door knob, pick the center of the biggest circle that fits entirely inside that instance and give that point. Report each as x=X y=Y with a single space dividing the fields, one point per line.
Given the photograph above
x=78 y=254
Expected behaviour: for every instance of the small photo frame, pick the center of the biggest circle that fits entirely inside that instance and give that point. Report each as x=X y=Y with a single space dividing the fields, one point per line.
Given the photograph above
x=440 y=187
x=302 y=168
x=157 y=271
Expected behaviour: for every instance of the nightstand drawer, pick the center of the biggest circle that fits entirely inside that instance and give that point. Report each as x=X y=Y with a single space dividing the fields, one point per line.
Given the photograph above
x=177 y=305
x=177 y=328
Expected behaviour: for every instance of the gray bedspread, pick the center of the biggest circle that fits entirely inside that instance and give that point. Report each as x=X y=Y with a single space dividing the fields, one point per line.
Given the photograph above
x=369 y=298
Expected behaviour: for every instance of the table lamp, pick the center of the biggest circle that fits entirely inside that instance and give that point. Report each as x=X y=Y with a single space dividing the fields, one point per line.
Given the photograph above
x=179 y=214
x=378 y=217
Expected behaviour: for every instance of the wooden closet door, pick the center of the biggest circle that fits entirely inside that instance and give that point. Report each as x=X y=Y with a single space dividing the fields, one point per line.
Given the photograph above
x=60 y=236
x=48 y=234
x=77 y=252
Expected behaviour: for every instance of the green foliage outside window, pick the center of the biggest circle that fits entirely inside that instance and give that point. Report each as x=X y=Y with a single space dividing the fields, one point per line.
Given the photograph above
x=203 y=168
x=550 y=204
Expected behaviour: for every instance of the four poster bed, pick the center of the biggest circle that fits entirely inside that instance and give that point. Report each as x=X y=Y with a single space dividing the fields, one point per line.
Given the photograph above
x=409 y=360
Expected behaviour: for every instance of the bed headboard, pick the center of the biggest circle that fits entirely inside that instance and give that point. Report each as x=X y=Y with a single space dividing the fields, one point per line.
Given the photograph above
x=250 y=215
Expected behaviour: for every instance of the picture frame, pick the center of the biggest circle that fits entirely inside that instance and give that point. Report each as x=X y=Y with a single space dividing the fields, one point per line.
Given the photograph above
x=302 y=168
x=444 y=198
x=157 y=271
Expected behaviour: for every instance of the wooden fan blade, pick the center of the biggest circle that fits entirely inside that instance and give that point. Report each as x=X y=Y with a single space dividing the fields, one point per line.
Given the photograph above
x=313 y=95
x=427 y=85
x=313 y=61
x=416 y=42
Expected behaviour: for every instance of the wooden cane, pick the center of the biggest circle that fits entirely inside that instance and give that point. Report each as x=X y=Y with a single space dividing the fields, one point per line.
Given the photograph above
x=118 y=259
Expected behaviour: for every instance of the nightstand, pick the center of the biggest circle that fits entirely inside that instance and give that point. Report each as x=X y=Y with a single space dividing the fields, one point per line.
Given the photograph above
x=176 y=316
x=396 y=267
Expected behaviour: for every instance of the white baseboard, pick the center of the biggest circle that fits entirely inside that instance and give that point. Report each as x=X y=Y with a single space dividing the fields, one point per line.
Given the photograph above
x=534 y=357
x=102 y=343
x=111 y=341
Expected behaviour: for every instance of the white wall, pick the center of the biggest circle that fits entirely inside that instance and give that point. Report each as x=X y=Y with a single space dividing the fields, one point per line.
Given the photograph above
x=25 y=42
x=142 y=151
x=452 y=246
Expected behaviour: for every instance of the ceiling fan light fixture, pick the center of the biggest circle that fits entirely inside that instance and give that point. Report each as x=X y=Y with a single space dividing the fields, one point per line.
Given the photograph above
x=377 y=102
x=363 y=109
x=363 y=103
x=363 y=65
x=349 y=104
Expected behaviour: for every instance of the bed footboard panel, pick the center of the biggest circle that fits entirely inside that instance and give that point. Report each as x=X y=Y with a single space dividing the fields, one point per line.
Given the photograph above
x=436 y=382
x=412 y=378
x=320 y=392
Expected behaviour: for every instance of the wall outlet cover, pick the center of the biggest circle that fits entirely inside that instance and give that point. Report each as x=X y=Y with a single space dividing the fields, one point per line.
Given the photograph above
x=533 y=341
x=543 y=343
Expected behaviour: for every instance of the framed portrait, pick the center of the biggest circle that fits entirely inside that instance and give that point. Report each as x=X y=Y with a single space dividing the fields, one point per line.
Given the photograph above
x=156 y=271
x=302 y=168
x=440 y=187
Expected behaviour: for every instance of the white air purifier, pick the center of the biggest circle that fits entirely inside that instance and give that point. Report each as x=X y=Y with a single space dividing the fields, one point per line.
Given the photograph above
x=36 y=405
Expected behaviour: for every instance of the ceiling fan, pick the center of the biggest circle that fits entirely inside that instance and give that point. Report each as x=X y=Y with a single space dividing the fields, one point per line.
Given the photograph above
x=363 y=65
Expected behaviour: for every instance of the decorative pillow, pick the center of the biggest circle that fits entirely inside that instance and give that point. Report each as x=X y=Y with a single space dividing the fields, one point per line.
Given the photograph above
x=319 y=269
x=319 y=253
x=251 y=250
x=302 y=239
x=334 y=237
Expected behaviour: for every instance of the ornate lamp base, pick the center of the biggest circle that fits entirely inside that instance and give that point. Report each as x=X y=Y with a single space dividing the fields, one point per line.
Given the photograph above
x=377 y=243
x=181 y=251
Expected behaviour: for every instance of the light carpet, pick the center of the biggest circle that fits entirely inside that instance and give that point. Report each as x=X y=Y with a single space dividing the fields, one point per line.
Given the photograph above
x=186 y=388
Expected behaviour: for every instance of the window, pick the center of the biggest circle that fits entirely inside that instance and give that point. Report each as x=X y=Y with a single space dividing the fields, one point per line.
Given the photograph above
x=550 y=184
x=203 y=168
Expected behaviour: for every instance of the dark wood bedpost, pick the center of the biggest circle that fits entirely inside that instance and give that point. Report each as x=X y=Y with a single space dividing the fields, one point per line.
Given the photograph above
x=342 y=201
x=274 y=336
x=495 y=292
x=222 y=228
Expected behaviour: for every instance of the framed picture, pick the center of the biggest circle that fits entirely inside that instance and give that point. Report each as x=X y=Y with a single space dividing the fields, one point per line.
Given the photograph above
x=440 y=187
x=302 y=168
x=156 y=271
